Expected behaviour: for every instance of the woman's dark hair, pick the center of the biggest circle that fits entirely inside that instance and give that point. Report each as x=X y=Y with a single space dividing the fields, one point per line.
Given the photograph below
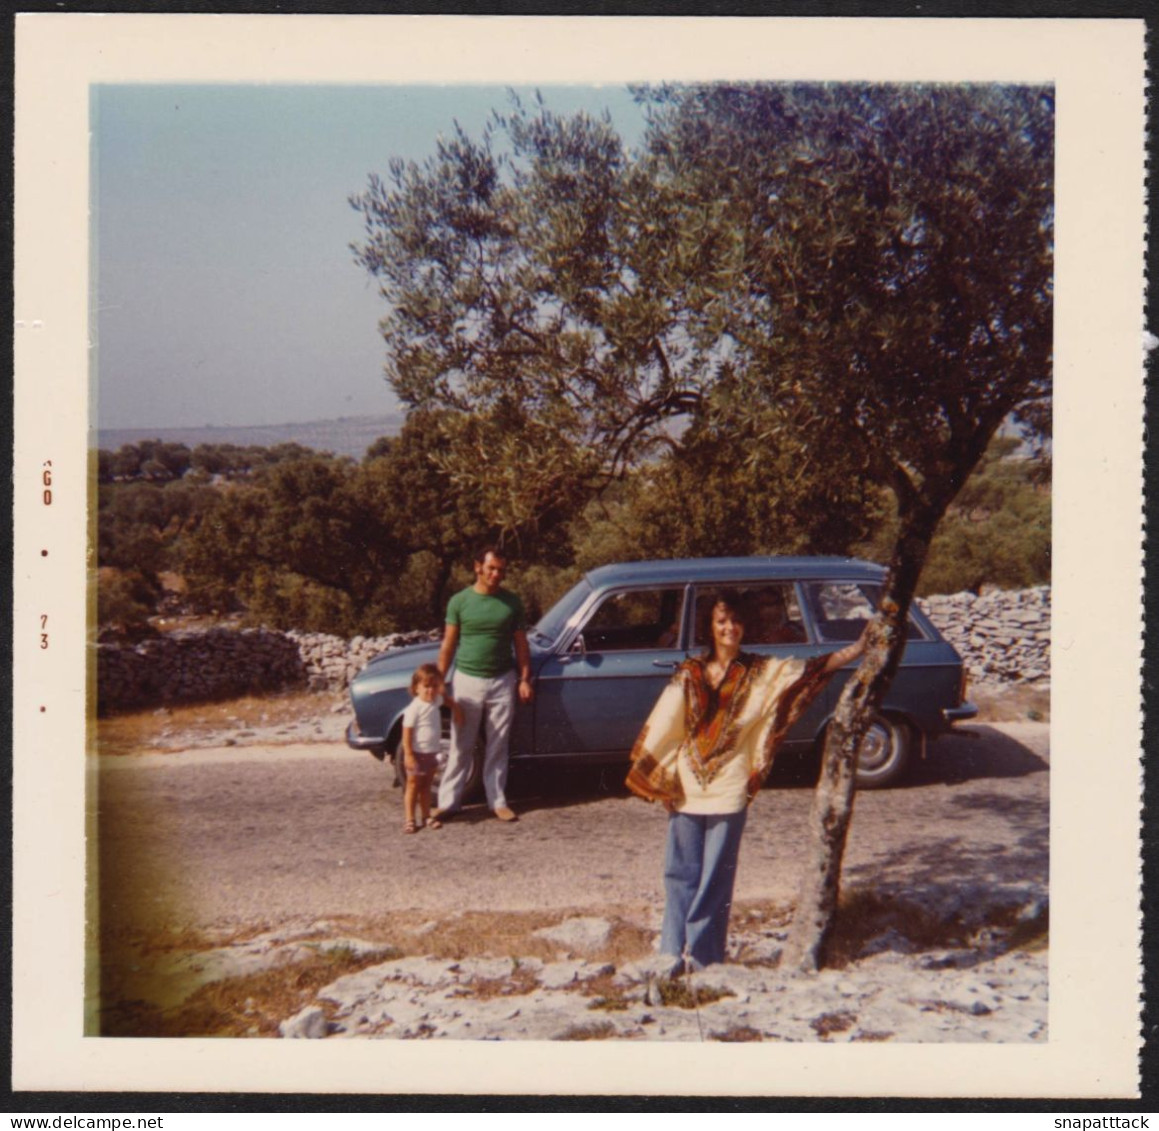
x=736 y=602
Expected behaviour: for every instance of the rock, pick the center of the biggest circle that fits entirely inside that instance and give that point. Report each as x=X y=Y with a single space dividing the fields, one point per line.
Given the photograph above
x=891 y=939
x=310 y=1024
x=1033 y=911
x=578 y=934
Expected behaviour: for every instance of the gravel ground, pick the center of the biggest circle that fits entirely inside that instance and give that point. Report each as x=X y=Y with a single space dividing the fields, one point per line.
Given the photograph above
x=232 y=837
x=275 y=851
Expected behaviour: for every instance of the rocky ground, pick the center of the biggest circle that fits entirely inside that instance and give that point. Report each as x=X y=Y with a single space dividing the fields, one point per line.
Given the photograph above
x=897 y=990
x=255 y=882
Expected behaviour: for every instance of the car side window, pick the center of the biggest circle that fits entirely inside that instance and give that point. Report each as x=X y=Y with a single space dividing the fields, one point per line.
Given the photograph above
x=773 y=615
x=841 y=608
x=635 y=619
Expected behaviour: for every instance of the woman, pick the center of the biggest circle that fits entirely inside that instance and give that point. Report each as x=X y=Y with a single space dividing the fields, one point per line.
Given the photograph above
x=704 y=753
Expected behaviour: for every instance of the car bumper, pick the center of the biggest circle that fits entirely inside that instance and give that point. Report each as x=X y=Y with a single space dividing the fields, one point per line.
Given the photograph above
x=356 y=740
x=959 y=714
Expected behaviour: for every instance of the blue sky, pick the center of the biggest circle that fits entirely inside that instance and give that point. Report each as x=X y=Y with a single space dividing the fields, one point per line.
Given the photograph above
x=224 y=288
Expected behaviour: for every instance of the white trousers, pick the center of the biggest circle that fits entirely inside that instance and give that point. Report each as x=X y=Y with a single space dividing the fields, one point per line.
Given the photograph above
x=493 y=699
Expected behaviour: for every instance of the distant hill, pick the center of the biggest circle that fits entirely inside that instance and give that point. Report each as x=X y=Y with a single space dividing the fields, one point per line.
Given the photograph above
x=346 y=436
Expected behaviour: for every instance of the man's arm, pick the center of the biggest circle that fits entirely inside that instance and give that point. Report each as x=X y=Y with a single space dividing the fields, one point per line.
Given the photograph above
x=523 y=661
x=447 y=649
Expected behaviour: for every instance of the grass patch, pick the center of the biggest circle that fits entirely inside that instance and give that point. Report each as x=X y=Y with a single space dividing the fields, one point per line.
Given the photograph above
x=1012 y=704
x=485 y=934
x=872 y=1035
x=864 y=914
x=141 y=731
x=759 y=918
x=611 y=1004
x=249 y=1006
x=597 y=1031
x=519 y=983
x=677 y=994
x=1025 y=934
x=830 y=1023
x=738 y=1033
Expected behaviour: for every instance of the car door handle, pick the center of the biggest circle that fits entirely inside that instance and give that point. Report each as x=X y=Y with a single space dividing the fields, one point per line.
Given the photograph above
x=671 y=665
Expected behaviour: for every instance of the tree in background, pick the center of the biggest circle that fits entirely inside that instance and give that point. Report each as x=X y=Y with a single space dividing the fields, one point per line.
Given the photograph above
x=297 y=545
x=514 y=304
x=867 y=271
x=997 y=532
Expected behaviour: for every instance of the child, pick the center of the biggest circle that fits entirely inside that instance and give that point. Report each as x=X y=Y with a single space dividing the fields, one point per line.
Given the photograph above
x=421 y=731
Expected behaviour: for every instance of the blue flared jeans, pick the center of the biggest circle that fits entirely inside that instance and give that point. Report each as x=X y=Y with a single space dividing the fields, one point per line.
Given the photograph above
x=699 y=874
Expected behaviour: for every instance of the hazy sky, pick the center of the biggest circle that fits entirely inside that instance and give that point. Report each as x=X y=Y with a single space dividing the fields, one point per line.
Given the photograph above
x=224 y=288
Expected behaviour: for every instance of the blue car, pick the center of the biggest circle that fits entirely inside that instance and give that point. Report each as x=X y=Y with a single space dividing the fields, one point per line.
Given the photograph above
x=602 y=655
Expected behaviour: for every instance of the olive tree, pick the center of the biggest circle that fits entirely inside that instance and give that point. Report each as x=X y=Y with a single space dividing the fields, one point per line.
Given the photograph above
x=878 y=265
x=857 y=279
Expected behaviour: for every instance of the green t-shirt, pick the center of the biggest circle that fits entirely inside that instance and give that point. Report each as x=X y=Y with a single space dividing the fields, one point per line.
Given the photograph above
x=487 y=625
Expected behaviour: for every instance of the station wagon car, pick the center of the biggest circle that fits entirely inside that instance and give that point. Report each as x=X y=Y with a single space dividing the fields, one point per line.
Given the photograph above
x=604 y=652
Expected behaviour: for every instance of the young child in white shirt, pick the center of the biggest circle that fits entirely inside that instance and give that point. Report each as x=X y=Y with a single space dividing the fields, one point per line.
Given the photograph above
x=421 y=731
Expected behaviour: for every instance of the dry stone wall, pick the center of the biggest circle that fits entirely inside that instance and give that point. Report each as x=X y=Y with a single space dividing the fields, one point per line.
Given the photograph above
x=181 y=666
x=331 y=662
x=1003 y=637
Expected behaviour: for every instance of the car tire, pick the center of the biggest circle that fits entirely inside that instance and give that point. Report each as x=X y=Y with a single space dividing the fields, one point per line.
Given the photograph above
x=885 y=753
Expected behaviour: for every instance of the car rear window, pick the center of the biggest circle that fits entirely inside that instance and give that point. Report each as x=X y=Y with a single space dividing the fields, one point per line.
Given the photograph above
x=841 y=608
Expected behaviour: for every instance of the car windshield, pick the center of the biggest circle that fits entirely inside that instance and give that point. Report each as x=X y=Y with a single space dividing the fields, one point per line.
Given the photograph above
x=555 y=620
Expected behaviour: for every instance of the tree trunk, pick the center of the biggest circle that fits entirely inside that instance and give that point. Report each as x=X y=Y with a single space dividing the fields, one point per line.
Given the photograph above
x=832 y=806
x=446 y=565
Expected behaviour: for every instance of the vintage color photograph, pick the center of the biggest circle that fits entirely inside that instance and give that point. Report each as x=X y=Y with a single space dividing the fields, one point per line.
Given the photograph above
x=640 y=358
x=572 y=561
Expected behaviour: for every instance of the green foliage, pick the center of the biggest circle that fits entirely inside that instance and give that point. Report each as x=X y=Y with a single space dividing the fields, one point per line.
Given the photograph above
x=140 y=523
x=282 y=599
x=845 y=287
x=329 y=545
x=125 y=600
x=727 y=491
x=880 y=256
x=153 y=460
x=790 y=323
x=997 y=532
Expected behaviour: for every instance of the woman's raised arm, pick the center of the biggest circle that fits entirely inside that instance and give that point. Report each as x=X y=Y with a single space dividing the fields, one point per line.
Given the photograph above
x=849 y=653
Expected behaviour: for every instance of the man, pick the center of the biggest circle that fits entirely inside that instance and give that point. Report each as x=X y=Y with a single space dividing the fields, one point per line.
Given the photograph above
x=486 y=638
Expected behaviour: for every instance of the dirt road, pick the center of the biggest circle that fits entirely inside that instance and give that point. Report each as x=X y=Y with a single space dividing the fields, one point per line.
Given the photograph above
x=242 y=838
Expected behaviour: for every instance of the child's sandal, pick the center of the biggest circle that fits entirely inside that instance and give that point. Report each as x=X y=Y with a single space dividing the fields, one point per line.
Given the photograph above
x=409 y=827
x=434 y=823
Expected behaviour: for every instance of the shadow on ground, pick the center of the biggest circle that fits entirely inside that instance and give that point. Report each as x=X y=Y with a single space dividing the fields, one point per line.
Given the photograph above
x=982 y=753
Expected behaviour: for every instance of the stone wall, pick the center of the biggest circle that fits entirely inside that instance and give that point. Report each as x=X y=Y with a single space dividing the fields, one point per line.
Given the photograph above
x=332 y=662
x=211 y=664
x=222 y=663
x=1004 y=637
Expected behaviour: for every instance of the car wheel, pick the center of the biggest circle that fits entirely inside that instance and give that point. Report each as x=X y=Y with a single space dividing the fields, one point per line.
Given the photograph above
x=885 y=752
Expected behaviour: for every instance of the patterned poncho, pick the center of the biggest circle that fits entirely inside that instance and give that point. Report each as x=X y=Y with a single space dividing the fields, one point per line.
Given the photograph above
x=707 y=750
